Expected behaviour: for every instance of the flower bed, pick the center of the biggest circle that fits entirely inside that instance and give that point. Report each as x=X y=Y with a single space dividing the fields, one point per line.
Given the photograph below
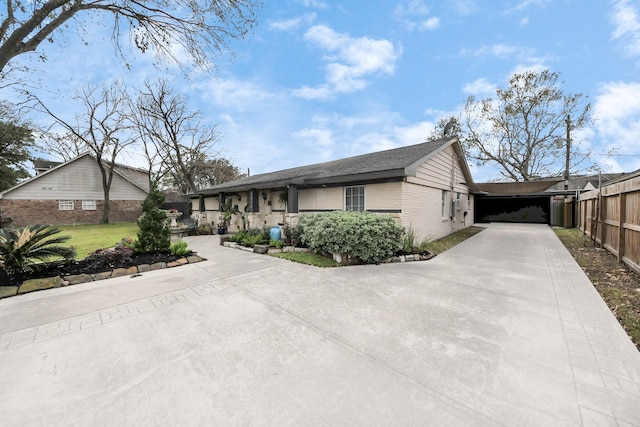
x=64 y=274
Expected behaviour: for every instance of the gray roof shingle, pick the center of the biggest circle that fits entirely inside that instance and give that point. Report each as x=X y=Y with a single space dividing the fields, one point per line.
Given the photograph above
x=379 y=165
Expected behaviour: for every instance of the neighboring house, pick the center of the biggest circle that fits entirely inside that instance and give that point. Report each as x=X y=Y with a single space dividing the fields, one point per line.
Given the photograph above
x=424 y=186
x=542 y=201
x=71 y=193
x=42 y=166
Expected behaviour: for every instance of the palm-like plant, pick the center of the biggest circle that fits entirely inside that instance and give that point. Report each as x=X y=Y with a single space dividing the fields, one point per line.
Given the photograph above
x=21 y=248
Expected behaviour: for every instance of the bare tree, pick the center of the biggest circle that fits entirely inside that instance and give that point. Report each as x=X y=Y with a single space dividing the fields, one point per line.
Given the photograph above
x=200 y=27
x=521 y=130
x=102 y=129
x=175 y=139
x=63 y=146
x=447 y=127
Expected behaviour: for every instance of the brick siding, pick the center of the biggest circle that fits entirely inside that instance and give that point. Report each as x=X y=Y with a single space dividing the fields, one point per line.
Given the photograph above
x=18 y=213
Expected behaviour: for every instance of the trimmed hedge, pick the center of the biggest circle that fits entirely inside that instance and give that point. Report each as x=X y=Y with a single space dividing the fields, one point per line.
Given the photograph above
x=365 y=236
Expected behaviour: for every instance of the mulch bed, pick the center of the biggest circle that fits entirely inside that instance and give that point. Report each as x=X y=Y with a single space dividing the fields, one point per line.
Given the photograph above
x=89 y=265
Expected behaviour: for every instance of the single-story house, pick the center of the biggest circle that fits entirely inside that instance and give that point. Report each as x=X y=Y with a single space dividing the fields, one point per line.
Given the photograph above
x=71 y=193
x=424 y=186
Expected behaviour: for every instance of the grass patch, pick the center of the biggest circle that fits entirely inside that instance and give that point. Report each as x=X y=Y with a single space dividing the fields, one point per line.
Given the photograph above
x=87 y=238
x=618 y=286
x=308 y=258
x=447 y=242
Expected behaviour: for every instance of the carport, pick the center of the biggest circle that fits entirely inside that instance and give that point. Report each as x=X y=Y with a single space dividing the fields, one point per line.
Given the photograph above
x=513 y=208
x=514 y=202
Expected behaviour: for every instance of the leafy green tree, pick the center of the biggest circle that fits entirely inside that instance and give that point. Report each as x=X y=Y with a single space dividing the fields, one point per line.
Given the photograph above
x=20 y=249
x=15 y=139
x=154 y=235
x=522 y=128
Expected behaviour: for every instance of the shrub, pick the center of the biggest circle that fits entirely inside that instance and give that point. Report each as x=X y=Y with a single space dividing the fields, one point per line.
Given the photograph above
x=237 y=238
x=266 y=233
x=21 y=249
x=368 y=237
x=293 y=235
x=154 y=235
x=180 y=248
x=275 y=243
x=409 y=241
x=110 y=258
x=251 y=240
x=204 y=230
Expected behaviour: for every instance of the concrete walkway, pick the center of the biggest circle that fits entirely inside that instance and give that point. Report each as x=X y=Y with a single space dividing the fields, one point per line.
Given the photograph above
x=504 y=329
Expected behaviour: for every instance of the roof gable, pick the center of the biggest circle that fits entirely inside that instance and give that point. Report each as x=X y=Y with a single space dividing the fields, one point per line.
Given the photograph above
x=71 y=162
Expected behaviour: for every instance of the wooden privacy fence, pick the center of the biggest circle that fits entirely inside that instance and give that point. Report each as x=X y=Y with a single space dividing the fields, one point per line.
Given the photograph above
x=610 y=217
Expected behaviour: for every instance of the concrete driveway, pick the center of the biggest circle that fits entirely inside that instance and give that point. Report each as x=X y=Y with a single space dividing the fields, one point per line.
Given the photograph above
x=504 y=329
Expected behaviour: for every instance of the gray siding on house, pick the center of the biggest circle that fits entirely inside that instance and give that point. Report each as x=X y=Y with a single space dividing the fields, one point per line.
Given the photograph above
x=139 y=177
x=78 y=180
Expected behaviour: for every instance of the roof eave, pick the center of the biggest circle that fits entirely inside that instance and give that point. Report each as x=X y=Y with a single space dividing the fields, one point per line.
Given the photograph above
x=332 y=180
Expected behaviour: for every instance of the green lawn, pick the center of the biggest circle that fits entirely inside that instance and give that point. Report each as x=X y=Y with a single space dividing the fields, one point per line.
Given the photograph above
x=447 y=242
x=87 y=238
x=308 y=258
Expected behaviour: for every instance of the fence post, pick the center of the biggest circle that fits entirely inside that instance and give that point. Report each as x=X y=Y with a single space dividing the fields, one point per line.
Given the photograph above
x=623 y=218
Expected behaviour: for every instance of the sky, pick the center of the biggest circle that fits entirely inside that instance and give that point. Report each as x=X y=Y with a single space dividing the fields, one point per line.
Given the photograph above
x=318 y=80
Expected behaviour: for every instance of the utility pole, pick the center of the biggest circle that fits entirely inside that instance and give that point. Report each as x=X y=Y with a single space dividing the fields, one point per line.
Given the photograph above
x=566 y=163
x=568 y=211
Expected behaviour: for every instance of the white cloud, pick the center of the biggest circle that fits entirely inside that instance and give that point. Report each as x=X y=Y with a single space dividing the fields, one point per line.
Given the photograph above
x=430 y=24
x=410 y=14
x=497 y=50
x=233 y=93
x=480 y=87
x=526 y=3
x=524 y=21
x=525 y=55
x=315 y=3
x=306 y=92
x=318 y=141
x=464 y=7
x=337 y=136
x=533 y=65
x=350 y=61
x=617 y=114
x=627 y=26
x=293 y=23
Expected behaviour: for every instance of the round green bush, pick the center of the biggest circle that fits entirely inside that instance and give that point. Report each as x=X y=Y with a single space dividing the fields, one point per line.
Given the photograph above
x=365 y=236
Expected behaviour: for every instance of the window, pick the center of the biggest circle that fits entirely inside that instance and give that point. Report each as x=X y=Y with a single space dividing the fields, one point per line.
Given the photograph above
x=354 y=198
x=65 y=205
x=88 y=205
x=444 y=204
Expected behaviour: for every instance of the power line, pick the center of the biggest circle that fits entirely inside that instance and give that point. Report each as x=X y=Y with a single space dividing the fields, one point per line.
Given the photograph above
x=615 y=155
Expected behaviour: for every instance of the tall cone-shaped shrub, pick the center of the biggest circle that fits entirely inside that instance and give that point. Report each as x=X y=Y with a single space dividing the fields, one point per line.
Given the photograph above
x=154 y=235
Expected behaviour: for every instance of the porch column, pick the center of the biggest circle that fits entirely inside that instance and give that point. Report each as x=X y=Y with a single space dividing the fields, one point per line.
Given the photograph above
x=254 y=203
x=292 y=200
x=221 y=200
